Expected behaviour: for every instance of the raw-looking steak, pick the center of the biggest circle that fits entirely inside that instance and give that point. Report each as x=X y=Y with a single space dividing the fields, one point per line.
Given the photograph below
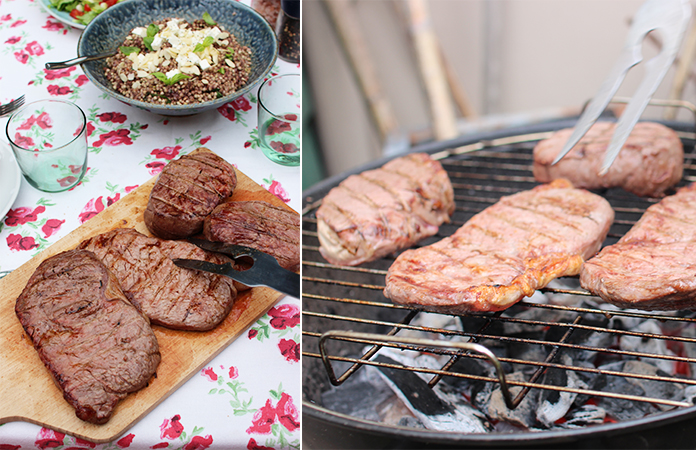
x=505 y=252
x=653 y=266
x=650 y=162
x=376 y=212
x=97 y=346
x=259 y=225
x=170 y=296
x=185 y=192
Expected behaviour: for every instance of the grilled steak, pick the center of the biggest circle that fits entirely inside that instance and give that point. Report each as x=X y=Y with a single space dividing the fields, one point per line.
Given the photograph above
x=258 y=225
x=379 y=211
x=186 y=191
x=650 y=162
x=93 y=341
x=505 y=252
x=176 y=298
x=653 y=266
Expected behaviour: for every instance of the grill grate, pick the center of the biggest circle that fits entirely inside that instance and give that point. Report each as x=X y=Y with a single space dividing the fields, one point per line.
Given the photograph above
x=345 y=312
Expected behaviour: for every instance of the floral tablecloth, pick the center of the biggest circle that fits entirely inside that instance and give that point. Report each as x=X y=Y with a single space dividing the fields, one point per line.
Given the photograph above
x=249 y=395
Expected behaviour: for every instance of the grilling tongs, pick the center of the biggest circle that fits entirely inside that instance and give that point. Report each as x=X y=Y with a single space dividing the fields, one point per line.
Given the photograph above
x=671 y=17
x=265 y=270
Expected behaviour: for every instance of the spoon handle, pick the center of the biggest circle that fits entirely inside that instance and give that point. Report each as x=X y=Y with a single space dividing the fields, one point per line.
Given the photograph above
x=78 y=60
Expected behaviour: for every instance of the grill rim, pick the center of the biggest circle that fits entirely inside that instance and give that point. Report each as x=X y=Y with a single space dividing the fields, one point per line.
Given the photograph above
x=314 y=194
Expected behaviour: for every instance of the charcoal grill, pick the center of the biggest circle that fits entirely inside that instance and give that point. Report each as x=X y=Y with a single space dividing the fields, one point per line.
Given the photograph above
x=345 y=312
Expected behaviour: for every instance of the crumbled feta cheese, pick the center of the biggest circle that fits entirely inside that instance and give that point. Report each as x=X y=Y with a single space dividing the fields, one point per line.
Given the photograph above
x=140 y=31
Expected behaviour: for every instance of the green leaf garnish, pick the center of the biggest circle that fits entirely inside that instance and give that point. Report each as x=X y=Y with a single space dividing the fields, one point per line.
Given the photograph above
x=128 y=50
x=169 y=81
x=147 y=40
x=209 y=20
x=207 y=42
x=152 y=30
x=222 y=70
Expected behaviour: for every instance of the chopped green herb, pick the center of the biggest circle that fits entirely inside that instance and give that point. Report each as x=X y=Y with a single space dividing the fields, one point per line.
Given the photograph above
x=169 y=81
x=230 y=53
x=128 y=50
x=207 y=42
x=152 y=30
x=209 y=20
x=222 y=70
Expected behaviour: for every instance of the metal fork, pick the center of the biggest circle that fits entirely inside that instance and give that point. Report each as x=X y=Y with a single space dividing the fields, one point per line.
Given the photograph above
x=671 y=18
x=12 y=106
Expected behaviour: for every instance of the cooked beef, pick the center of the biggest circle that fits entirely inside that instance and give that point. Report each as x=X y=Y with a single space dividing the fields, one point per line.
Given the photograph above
x=259 y=225
x=374 y=213
x=505 y=252
x=650 y=162
x=176 y=298
x=93 y=341
x=653 y=266
x=186 y=191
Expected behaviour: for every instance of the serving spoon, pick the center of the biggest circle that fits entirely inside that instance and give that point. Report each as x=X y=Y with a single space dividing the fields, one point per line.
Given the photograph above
x=78 y=60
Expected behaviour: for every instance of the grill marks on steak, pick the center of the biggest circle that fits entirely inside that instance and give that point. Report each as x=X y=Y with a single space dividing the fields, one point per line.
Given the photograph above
x=372 y=214
x=259 y=225
x=170 y=296
x=505 y=252
x=186 y=191
x=93 y=341
x=650 y=162
x=653 y=266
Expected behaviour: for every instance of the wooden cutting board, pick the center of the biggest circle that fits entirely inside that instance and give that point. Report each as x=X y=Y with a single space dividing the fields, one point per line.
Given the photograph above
x=27 y=391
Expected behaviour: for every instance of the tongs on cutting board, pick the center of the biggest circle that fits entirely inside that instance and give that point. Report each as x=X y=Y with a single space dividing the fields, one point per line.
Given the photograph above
x=671 y=18
x=265 y=270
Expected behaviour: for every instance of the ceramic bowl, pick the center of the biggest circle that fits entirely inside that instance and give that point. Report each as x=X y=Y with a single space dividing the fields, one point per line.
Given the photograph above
x=110 y=28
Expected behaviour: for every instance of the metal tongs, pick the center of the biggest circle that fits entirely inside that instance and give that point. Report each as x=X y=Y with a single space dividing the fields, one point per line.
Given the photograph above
x=671 y=17
x=265 y=270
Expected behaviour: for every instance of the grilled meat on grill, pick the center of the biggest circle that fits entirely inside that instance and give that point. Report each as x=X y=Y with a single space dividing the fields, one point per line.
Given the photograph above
x=186 y=191
x=379 y=211
x=259 y=225
x=653 y=266
x=505 y=252
x=650 y=162
x=93 y=341
x=170 y=296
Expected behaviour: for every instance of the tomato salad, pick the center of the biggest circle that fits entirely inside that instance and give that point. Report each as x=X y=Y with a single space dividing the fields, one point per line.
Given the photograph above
x=83 y=11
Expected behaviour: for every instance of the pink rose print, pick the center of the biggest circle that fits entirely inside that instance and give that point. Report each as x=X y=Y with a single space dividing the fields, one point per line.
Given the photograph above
x=209 y=373
x=199 y=443
x=13 y=40
x=283 y=148
x=287 y=413
x=284 y=316
x=6 y=18
x=23 y=141
x=161 y=445
x=277 y=126
x=125 y=441
x=111 y=200
x=18 y=23
x=241 y=104
x=205 y=140
x=167 y=153
x=21 y=57
x=58 y=73
x=54 y=89
x=264 y=417
x=53 y=26
x=81 y=79
x=51 y=226
x=43 y=121
x=247 y=144
x=9 y=447
x=23 y=215
x=18 y=243
x=227 y=111
x=252 y=445
x=83 y=442
x=233 y=373
x=34 y=48
x=114 y=138
x=67 y=181
x=171 y=428
x=130 y=188
x=252 y=333
x=114 y=117
x=155 y=167
x=93 y=207
x=90 y=128
x=289 y=349
x=276 y=189
x=49 y=439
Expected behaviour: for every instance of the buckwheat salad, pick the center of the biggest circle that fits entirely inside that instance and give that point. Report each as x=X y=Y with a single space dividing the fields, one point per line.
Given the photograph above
x=174 y=62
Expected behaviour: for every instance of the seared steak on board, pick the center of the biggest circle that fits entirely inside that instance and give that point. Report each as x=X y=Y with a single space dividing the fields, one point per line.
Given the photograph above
x=505 y=252
x=653 y=266
x=650 y=162
x=185 y=192
x=259 y=225
x=175 y=298
x=379 y=211
x=93 y=341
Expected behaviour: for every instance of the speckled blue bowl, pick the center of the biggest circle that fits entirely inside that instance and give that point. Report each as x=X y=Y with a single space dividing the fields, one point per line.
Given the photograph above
x=110 y=28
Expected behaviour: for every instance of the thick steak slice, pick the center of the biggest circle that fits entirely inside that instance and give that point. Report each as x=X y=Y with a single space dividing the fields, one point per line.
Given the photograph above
x=650 y=162
x=505 y=252
x=372 y=214
x=653 y=266
x=186 y=191
x=93 y=341
x=259 y=225
x=175 y=298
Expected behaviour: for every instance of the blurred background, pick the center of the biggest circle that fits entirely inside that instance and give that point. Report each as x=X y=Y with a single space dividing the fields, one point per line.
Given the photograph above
x=380 y=76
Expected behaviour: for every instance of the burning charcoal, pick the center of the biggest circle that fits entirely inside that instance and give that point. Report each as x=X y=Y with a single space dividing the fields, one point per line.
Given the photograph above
x=585 y=415
x=646 y=345
x=524 y=415
x=343 y=398
x=622 y=409
x=690 y=394
x=653 y=388
x=553 y=405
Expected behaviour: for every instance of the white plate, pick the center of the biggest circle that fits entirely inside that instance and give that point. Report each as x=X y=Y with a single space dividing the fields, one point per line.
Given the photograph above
x=61 y=15
x=10 y=179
